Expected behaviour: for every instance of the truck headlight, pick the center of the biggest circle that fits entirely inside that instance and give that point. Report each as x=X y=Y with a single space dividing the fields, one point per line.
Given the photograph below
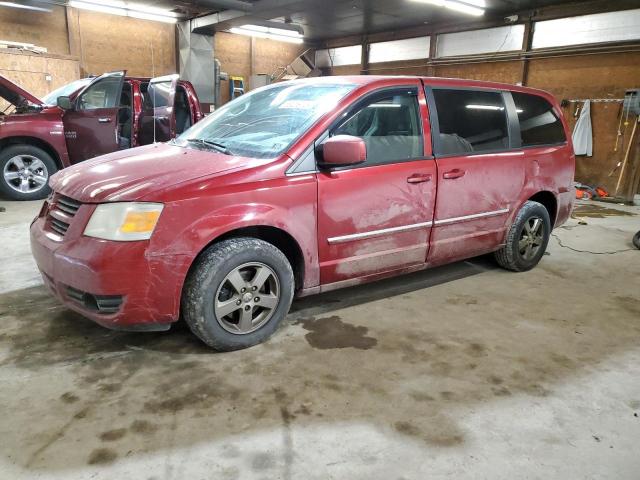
x=124 y=222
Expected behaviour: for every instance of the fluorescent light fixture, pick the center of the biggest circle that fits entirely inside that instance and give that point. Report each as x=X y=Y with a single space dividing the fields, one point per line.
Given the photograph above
x=126 y=9
x=385 y=105
x=273 y=33
x=470 y=7
x=24 y=6
x=464 y=8
x=484 y=107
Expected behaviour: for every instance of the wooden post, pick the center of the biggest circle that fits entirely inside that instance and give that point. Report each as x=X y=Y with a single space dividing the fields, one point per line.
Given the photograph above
x=364 y=56
x=633 y=182
x=527 y=40
x=433 y=53
x=74 y=38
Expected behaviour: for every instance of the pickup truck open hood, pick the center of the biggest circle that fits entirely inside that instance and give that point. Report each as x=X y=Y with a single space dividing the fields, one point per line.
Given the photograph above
x=16 y=95
x=134 y=174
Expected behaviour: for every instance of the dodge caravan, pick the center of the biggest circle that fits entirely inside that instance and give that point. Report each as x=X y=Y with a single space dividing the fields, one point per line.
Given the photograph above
x=303 y=187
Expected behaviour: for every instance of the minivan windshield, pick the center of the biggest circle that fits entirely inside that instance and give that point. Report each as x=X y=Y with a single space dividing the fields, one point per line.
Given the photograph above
x=265 y=122
x=65 y=91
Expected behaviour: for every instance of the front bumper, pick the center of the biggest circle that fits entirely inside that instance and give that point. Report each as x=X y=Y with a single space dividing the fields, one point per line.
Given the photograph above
x=118 y=285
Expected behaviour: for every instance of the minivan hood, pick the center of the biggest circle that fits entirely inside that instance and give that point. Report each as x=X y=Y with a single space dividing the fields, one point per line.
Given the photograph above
x=16 y=95
x=133 y=174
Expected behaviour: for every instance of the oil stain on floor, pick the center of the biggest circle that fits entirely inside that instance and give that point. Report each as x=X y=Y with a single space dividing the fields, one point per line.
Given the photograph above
x=597 y=211
x=331 y=332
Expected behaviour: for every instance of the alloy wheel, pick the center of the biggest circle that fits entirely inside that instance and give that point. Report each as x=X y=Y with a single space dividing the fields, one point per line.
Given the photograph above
x=26 y=174
x=531 y=238
x=247 y=298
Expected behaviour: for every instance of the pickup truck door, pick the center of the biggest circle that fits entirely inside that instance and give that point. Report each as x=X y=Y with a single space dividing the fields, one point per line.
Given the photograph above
x=376 y=217
x=480 y=175
x=91 y=127
x=158 y=121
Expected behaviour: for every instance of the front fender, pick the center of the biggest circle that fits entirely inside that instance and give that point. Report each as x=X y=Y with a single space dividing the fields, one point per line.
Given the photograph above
x=187 y=227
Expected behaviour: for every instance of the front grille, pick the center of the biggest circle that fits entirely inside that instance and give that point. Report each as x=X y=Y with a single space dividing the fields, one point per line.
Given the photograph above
x=67 y=205
x=61 y=212
x=104 y=304
x=59 y=226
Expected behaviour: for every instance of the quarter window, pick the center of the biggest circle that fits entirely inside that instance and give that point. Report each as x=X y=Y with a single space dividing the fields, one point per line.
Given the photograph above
x=390 y=127
x=539 y=124
x=471 y=121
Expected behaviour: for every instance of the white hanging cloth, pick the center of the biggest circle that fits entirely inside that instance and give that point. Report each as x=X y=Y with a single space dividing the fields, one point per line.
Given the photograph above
x=582 y=134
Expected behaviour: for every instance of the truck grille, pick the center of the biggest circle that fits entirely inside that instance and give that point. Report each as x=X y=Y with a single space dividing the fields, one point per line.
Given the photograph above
x=104 y=304
x=61 y=212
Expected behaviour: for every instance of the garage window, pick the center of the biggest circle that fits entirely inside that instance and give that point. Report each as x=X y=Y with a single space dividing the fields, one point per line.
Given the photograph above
x=471 y=121
x=539 y=125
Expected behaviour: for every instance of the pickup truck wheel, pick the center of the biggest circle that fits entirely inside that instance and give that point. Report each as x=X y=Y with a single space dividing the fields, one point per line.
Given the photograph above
x=527 y=238
x=25 y=172
x=237 y=293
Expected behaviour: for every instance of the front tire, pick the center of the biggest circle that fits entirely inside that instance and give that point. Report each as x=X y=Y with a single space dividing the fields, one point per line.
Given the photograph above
x=25 y=171
x=237 y=293
x=527 y=238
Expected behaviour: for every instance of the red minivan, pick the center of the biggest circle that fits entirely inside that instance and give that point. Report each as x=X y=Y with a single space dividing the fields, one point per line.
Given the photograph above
x=84 y=119
x=303 y=187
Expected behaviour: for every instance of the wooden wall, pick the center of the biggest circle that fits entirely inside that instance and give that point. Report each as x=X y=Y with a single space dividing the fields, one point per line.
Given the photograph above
x=235 y=55
x=570 y=77
x=111 y=42
x=47 y=30
x=81 y=43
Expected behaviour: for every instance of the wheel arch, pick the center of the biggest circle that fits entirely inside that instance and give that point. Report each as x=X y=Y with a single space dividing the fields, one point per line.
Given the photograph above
x=548 y=201
x=277 y=237
x=35 y=142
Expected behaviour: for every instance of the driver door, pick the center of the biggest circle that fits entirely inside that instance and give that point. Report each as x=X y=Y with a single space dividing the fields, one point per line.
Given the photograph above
x=158 y=122
x=91 y=127
x=376 y=217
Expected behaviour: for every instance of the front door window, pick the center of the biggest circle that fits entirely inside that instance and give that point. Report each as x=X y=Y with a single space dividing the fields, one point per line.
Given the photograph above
x=390 y=127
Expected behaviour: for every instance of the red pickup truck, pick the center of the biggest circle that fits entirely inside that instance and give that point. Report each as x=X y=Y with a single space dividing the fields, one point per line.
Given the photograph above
x=303 y=187
x=84 y=119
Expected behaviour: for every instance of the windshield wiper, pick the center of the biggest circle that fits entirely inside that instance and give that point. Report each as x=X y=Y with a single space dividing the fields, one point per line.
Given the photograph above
x=215 y=145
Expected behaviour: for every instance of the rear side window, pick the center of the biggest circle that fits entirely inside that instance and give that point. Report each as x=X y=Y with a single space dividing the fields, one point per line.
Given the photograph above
x=390 y=127
x=539 y=125
x=471 y=121
x=158 y=95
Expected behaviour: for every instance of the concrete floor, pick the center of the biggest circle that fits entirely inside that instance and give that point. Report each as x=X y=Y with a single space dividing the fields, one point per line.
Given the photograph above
x=465 y=371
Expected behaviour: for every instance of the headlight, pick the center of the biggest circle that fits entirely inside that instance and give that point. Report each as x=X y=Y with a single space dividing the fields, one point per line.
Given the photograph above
x=124 y=221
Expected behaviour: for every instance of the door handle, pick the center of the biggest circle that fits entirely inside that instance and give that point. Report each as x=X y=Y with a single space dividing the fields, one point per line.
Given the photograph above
x=104 y=120
x=453 y=174
x=419 y=178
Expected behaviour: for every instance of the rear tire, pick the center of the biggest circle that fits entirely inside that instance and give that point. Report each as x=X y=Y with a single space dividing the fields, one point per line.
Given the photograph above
x=527 y=238
x=237 y=293
x=25 y=171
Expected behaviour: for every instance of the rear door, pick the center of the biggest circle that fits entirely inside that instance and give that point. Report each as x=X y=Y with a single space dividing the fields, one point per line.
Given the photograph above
x=376 y=217
x=158 y=121
x=480 y=176
x=91 y=128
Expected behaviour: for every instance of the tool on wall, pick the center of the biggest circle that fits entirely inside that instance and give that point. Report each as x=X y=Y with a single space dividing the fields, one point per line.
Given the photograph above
x=236 y=87
x=628 y=151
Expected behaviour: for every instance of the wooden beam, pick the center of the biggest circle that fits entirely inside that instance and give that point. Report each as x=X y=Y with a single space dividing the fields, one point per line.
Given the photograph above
x=527 y=40
x=364 y=56
x=433 y=54
x=73 y=31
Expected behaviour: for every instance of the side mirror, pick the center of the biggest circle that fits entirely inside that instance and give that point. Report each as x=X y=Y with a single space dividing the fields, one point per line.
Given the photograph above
x=64 y=103
x=343 y=151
